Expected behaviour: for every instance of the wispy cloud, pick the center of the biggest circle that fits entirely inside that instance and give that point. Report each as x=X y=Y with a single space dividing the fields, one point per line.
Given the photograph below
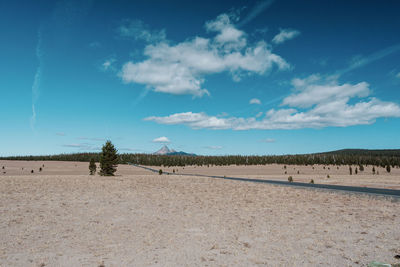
x=285 y=35
x=83 y=146
x=162 y=139
x=60 y=134
x=362 y=61
x=255 y=101
x=37 y=78
x=326 y=104
x=268 y=140
x=398 y=75
x=137 y=30
x=255 y=11
x=91 y=138
x=182 y=68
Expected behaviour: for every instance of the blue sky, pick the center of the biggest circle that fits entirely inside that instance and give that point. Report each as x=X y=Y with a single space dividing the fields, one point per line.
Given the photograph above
x=206 y=77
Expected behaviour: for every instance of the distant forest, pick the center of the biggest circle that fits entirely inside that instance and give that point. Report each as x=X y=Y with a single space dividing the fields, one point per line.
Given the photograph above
x=340 y=157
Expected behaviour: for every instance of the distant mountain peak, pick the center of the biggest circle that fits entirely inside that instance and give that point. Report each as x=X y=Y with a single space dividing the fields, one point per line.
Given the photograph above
x=164 y=151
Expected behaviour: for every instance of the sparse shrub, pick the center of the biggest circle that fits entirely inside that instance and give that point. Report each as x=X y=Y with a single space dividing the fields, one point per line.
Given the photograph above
x=388 y=168
x=290 y=179
x=160 y=172
x=356 y=171
x=92 y=166
x=312 y=181
x=324 y=167
x=108 y=159
x=350 y=170
x=285 y=172
x=43 y=165
x=3 y=168
x=373 y=170
x=328 y=176
x=173 y=170
x=284 y=167
x=40 y=169
x=32 y=171
x=298 y=172
x=361 y=168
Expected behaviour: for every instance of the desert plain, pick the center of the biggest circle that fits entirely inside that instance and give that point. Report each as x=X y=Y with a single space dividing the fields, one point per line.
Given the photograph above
x=61 y=216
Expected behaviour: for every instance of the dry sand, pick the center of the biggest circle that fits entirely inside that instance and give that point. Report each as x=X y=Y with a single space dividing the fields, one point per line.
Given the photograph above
x=63 y=218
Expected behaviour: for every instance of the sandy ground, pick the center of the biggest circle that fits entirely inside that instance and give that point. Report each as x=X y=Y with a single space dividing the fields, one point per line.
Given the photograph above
x=143 y=219
x=337 y=175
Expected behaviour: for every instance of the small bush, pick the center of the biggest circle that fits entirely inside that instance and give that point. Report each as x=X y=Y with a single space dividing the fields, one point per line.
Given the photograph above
x=40 y=169
x=3 y=167
x=32 y=171
x=328 y=176
x=290 y=179
x=298 y=172
x=312 y=181
x=160 y=172
x=285 y=172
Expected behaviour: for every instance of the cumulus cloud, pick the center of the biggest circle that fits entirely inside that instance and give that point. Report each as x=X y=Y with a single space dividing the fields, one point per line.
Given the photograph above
x=326 y=103
x=315 y=90
x=181 y=68
x=255 y=101
x=285 y=35
x=161 y=139
x=137 y=30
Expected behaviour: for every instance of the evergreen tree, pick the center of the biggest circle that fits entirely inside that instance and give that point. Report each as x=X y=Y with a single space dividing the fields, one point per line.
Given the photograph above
x=92 y=167
x=373 y=170
x=350 y=170
x=108 y=159
x=388 y=168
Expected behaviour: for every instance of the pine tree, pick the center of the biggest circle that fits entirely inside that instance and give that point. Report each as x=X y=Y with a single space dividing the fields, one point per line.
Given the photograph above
x=388 y=168
x=92 y=167
x=108 y=160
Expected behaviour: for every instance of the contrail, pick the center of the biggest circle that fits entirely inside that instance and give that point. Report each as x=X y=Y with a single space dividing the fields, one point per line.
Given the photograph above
x=371 y=58
x=37 y=78
x=255 y=11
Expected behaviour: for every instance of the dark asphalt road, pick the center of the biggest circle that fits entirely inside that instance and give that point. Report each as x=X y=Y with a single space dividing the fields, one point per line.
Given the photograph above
x=352 y=189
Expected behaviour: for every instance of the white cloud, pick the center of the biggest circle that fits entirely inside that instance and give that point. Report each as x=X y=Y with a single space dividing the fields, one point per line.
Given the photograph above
x=325 y=109
x=137 y=30
x=315 y=90
x=268 y=140
x=255 y=101
x=285 y=35
x=161 y=139
x=108 y=64
x=181 y=68
x=398 y=75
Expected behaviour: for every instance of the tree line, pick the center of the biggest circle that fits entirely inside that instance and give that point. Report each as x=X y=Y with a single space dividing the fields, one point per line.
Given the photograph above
x=355 y=157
